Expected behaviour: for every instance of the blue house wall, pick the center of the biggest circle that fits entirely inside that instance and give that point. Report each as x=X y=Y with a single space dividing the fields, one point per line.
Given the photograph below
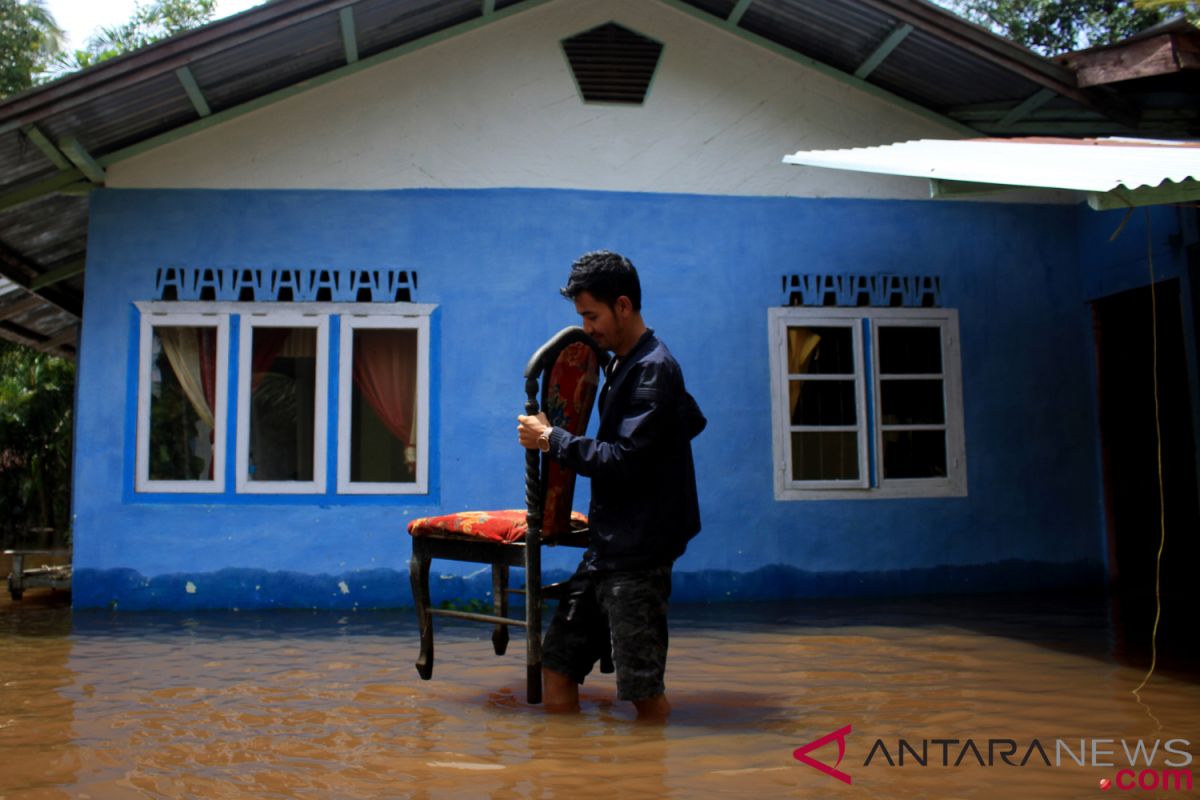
x=491 y=261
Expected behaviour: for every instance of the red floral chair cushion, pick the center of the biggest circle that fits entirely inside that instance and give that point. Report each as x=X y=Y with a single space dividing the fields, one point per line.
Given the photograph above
x=505 y=526
x=570 y=391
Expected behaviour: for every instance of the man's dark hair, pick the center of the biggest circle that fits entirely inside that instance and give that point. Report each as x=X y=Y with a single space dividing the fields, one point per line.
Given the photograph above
x=605 y=276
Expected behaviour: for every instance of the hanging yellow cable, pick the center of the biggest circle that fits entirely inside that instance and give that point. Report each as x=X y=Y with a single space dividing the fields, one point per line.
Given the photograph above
x=1162 y=505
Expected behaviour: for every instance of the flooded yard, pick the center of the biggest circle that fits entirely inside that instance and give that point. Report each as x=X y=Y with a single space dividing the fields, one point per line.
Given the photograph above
x=308 y=704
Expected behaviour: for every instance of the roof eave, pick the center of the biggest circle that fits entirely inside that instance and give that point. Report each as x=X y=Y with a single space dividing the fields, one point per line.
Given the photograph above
x=159 y=58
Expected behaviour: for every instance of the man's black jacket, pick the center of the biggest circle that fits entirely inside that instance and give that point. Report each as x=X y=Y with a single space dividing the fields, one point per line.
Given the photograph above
x=644 y=507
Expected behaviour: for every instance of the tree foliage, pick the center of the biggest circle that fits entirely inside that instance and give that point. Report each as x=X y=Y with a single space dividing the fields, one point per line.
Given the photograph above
x=1058 y=26
x=29 y=41
x=36 y=399
x=37 y=390
x=149 y=24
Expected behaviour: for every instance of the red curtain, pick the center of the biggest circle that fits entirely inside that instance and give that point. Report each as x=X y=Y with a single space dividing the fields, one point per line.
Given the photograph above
x=265 y=346
x=206 y=344
x=385 y=371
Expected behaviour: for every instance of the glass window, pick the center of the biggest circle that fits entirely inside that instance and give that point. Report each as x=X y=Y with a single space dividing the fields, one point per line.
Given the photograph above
x=281 y=403
x=824 y=390
x=874 y=415
x=912 y=400
x=383 y=403
x=287 y=404
x=282 y=393
x=181 y=403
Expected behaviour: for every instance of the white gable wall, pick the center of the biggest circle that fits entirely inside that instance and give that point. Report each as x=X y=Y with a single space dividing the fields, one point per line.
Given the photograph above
x=498 y=107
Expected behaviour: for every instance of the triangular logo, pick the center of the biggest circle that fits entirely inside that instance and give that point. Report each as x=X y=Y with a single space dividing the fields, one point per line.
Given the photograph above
x=801 y=753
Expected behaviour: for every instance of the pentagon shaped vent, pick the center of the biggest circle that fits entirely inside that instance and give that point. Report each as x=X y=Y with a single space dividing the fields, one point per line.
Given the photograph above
x=612 y=64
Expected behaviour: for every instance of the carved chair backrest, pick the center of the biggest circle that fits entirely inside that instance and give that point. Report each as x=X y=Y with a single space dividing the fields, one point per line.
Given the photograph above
x=568 y=371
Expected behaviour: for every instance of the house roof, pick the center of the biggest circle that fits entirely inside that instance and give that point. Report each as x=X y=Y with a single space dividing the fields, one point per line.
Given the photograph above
x=1165 y=56
x=1115 y=173
x=57 y=140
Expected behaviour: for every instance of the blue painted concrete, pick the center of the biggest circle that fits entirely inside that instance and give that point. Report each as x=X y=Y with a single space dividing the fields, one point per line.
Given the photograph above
x=251 y=589
x=491 y=260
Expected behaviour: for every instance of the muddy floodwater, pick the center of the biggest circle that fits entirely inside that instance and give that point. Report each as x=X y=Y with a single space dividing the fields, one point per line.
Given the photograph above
x=314 y=705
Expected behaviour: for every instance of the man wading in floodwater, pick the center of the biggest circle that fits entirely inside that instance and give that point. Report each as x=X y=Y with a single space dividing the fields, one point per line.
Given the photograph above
x=644 y=507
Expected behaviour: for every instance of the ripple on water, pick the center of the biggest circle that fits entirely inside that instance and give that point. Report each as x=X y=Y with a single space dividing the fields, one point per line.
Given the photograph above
x=290 y=705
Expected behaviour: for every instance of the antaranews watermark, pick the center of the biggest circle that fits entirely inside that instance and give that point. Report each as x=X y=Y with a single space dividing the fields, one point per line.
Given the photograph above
x=1145 y=765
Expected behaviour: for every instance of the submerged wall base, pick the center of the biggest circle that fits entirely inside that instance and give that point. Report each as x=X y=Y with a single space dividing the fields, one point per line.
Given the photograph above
x=250 y=589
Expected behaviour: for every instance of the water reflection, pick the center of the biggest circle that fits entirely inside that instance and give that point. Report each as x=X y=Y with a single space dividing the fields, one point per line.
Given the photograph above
x=36 y=712
x=292 y=704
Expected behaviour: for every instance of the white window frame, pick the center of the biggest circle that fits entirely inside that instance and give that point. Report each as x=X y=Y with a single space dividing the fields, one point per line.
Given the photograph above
x=873 y=486
x=292 y=316
x=780 y=411
x=169 y=315
x=955 y=482
x=418 y=321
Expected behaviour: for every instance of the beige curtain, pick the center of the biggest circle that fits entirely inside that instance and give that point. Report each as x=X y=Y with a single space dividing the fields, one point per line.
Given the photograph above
x=183 y=349
x=300 y=343
x=802 y=344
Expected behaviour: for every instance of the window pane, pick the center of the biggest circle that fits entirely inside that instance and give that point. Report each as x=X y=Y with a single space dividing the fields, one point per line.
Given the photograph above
x=183 y=380
x=911 y=402
x=822 y=402
x=821 y=351
x=284 y=362
x=910 y=350
x=383 y=444
x=824 y=456
x=914 y=454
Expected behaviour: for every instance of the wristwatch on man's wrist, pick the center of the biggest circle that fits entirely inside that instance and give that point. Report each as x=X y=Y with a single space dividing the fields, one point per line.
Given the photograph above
x=544 y=440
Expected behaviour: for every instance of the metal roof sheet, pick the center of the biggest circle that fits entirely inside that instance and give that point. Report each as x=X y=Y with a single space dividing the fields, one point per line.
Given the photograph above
x=25 y=316
x=127 y=115
x=1097 y=166
x=839 y=34
x=22 y=160
x=945 y=68
x=47 y=230
x=384 y=24
x=278 y=59
x=923 y=68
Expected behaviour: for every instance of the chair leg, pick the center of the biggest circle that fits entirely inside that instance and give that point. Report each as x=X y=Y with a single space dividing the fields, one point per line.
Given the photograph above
x=533 y=625
x=418 y=576
x=500 y=606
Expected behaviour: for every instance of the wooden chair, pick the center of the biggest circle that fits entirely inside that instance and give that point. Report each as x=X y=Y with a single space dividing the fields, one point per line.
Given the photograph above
x=566 y=369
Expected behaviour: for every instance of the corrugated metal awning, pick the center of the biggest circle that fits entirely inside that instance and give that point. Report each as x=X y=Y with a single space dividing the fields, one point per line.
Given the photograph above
x=1115 y=173
x=57 y=140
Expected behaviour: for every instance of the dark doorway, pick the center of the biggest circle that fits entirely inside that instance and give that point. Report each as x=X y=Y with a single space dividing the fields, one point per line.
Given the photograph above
x=1125 y=347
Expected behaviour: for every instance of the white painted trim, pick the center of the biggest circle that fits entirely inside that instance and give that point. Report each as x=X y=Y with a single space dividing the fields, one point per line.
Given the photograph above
x=142 y=481
x=345 y=387
x=954 y=485
x=778 y=344
x=287 y=317
x=955 y=482
x=299 y=309
x=781 y=426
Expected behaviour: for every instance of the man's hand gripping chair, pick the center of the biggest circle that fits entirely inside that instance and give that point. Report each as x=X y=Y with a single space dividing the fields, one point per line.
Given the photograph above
x=567 y=370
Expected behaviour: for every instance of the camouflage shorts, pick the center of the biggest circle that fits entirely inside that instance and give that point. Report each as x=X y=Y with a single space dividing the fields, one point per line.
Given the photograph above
x=625 y=612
